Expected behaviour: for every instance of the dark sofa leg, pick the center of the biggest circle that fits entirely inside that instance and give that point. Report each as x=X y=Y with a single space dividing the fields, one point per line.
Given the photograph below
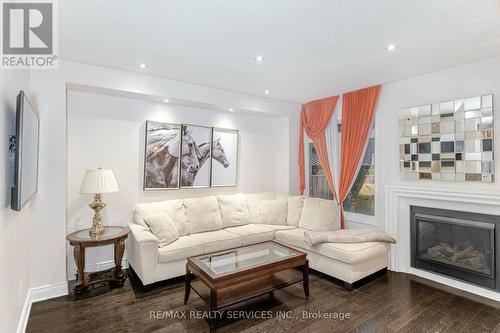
x=131 y=272
x=348 y=286
x=133 y=275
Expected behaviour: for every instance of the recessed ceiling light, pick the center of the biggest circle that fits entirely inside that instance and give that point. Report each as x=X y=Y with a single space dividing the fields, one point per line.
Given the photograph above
x=267 y=92
x=391 y=47
x=231 y=109
x=143 y=66
x=259 y=58
x=166 y=100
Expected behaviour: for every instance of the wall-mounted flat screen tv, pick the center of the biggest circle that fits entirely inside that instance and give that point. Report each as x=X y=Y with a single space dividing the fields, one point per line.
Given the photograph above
x=26 y=153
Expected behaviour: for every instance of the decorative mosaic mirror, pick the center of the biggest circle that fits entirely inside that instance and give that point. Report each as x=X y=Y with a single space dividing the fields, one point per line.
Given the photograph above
x=450 y=141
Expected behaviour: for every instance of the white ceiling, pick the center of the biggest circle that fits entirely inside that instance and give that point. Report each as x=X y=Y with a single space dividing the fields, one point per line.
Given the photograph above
x=313 y=48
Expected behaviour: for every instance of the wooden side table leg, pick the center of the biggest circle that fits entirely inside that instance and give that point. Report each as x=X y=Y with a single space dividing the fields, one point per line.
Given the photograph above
x=305 y=276
x=79 y=255
x=119 y=249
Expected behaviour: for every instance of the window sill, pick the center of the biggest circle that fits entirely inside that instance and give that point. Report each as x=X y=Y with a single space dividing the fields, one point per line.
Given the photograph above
x=360 y=218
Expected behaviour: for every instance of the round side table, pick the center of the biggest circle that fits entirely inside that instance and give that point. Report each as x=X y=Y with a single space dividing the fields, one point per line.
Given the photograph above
x=81 y=239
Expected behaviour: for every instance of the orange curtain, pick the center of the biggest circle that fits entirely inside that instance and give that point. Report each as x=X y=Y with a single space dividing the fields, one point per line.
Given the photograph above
x=314 y=119
x=358 y=110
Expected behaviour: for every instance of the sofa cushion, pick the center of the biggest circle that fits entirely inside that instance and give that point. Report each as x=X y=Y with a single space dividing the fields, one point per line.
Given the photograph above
x=253 y=200
x=353 y=253
x=350 y=253
x=219 y=240
x=174 y=209
x=138 y=216
x=273 y=211
x=293 y=237
x=294 y=210
x=203 y=214
x=177 y=213
x=252 y=233
x=185 y=246
x=320 y=215
x=233 y=210
x=162 y=227
x=276 y=227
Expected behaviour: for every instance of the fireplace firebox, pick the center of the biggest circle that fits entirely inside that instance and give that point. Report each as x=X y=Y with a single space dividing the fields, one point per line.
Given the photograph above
x=458 y=244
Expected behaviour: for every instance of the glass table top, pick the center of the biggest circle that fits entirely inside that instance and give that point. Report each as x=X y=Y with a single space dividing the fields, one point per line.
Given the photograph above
x=245 y=257
x=108 y=232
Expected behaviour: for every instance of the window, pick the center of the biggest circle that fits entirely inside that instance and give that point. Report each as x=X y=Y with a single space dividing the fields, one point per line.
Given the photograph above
x=360 y=202
x=318 y=186
x=361 y=198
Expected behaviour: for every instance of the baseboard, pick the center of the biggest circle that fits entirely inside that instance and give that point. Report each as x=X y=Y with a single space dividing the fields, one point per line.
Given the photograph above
x=95 y=267
x=36 y=295
x=42 y=293
x=453 y=283
x=25 y=314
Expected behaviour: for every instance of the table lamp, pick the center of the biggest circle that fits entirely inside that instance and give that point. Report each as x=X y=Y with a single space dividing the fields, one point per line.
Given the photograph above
x=98 y=182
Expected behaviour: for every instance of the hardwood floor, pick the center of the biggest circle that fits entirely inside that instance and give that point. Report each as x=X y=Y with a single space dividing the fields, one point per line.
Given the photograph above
x=395 y=302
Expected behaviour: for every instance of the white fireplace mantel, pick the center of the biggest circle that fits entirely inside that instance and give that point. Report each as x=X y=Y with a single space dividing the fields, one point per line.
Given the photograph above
x=399 y=198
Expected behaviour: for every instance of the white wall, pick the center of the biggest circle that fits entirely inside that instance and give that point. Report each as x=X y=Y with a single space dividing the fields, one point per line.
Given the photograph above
x=48 y=89
x=14 y=226
x=107 y=131
x=47 y=262
x=465 y=81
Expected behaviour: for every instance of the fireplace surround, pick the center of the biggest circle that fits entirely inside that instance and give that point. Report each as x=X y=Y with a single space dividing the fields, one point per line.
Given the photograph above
x=461 y=245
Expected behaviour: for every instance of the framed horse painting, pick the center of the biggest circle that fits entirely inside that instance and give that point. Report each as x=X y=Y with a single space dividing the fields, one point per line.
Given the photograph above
x=161 y=156
x=225 y=157
x=196 y=152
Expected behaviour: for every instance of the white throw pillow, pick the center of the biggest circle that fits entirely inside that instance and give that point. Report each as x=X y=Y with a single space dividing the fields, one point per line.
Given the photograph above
x=320 y=215
x=253 y=200
x=141 y=210
x=174 y=209
x=203 y=214
x=163 y=228
x=294 y=212
x=273 y=212
x=234 y=210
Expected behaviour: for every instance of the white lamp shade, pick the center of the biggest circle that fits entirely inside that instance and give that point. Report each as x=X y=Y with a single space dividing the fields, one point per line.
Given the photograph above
x=99 y=181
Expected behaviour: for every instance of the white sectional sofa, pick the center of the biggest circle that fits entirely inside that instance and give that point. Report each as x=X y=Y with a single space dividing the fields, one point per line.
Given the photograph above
x=196 y=226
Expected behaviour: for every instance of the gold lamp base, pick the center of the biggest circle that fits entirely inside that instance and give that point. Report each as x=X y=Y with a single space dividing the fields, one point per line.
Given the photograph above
x=97 y=227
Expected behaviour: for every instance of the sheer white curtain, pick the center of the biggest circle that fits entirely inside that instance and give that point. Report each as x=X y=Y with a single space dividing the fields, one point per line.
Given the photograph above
x=307 y=158
x=333 y=143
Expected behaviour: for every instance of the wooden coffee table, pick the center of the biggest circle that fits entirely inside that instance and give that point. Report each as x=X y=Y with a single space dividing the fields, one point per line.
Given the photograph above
x=228 y=277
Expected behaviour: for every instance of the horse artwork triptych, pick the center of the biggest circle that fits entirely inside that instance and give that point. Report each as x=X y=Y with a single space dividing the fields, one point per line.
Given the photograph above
x=189 y=156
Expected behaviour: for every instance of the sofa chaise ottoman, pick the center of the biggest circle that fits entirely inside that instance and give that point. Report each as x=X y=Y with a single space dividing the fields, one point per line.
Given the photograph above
x=164 y=234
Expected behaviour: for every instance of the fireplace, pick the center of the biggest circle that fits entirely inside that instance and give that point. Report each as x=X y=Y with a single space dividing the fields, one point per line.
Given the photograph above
x=458 y=244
